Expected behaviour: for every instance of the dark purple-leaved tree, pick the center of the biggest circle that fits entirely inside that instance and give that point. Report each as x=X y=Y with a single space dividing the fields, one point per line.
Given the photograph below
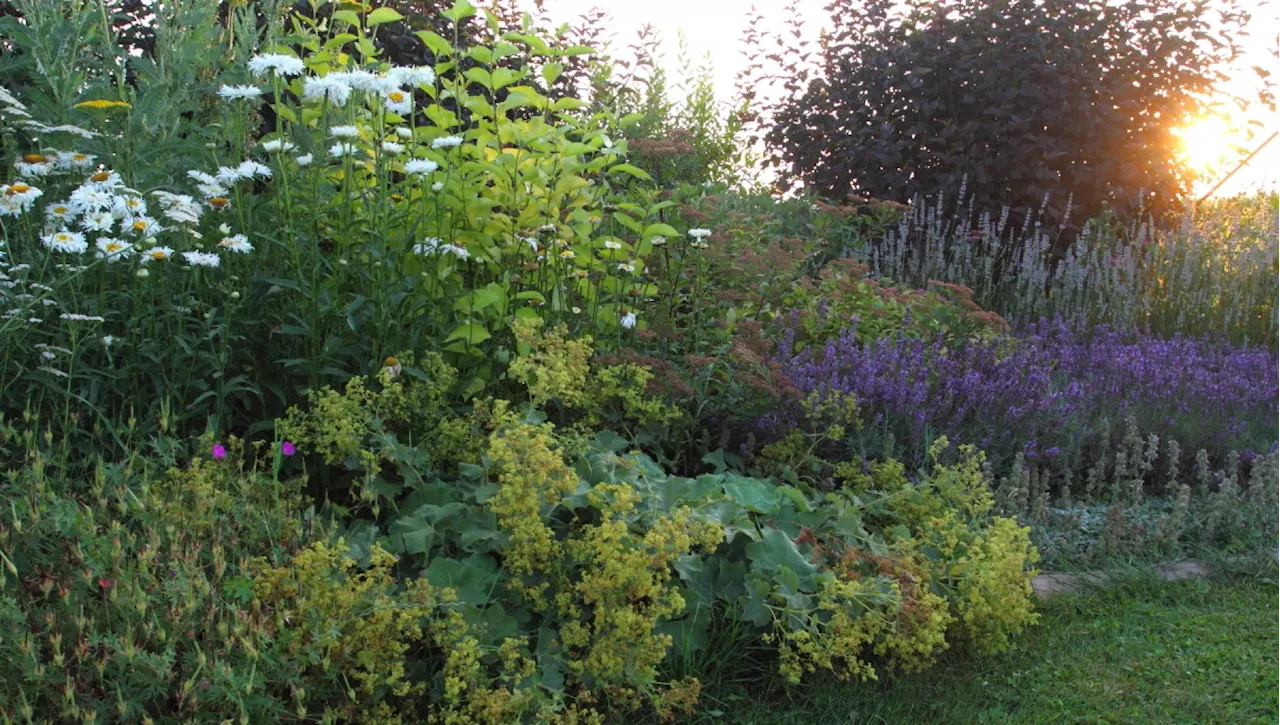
x=1022 y=98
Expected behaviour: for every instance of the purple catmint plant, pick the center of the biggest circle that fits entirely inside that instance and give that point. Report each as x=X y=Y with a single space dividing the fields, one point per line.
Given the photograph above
x=1046 y=391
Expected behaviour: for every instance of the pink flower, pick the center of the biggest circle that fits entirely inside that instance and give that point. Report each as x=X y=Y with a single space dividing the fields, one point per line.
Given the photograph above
x=288 y=448
x=219 y=450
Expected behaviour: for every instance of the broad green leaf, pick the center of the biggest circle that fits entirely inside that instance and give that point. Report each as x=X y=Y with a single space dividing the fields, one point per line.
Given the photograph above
x=635 y=171
x=473 y=333
x=752 y=493
x=776 y=551
x=435 y=43
x=551 y=71
x=347 y=16
x=460 y=10
x=383 y=15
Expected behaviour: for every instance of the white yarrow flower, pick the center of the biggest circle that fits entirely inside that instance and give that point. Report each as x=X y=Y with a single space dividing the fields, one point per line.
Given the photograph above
x=404 y=132
x=699 y=234
x=344 y=132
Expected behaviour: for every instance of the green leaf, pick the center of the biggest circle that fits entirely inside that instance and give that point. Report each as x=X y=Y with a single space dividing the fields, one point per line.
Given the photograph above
x=776 y=551
x=661 y=230
x=551 y=71
x=579 y=50
x=412 y=535
x=566 y=104
x=383 y=15
x=472 y=578
x=347 y=16
x=473 y=333
x=635 y=171
x=435 y=43
x=752 y=493
x=460 y=10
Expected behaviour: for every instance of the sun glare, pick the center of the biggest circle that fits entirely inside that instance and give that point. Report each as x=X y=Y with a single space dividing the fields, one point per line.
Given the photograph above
x=1207 y=144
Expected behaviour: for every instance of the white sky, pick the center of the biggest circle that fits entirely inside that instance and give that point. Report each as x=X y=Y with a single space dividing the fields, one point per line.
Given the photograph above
x=715 y=27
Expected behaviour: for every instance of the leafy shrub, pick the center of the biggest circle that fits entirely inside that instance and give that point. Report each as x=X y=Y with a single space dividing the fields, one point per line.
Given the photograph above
x=1024 y=99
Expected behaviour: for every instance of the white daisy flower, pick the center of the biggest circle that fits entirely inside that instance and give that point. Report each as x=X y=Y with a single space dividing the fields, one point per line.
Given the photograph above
x=404 y=132
x=567 y=254
x=304 y=159
x=344 y=132
x=229 y=175
x=339 y=150
x=416 y=76
x=65 y=241
x=212 y=191
x=438 y=186
x=179 y=207
x=75 y=160
x=456 y=250
x=202 y=259
x=576 y=310
x=127 y=207
x=237 y=243
x=88 y=199
x=699 y=234
x=144 y=227
x=282 y=65
x=277 y=145
x=392 y=147
x=60 y=213
x=17 y=197
x=428 y=245
x=239 y=93
x=629 y=320
x=113 y=250
x=332 y=87
x=98 y=221
x=446 y=142
x=108 y=340
x=202 y=177
x=420 y=167
x=627 y=267
x=157 y=254
x=105 y=180
x=610 y=244
x=254 y=169
x=398 y=102
x=363 y=80
x=32 y=165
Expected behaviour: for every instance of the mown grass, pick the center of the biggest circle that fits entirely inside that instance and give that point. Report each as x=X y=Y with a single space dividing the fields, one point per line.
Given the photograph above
x=1142 y=652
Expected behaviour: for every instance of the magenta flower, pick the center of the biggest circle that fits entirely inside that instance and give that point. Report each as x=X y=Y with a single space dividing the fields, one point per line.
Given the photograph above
x=288 y=448
x=219 y=450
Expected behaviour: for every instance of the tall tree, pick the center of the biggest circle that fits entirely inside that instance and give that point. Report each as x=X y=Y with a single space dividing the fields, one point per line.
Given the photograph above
x=1023 y=99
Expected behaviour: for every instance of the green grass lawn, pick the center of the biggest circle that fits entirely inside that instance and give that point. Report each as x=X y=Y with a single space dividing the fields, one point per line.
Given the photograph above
x=1146 y=652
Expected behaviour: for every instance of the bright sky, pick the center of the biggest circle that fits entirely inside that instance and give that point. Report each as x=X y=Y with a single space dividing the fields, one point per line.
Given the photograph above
x=715 y=27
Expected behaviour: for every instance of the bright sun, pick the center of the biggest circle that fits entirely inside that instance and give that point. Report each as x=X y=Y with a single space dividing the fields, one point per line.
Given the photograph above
x=1207 y=143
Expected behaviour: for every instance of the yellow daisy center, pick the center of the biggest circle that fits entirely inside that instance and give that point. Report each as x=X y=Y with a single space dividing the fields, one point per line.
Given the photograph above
x=139 y=226
x=395 y=96
x=157 y=254
x=35 y=159
x=18 y=189
x=100 y=177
